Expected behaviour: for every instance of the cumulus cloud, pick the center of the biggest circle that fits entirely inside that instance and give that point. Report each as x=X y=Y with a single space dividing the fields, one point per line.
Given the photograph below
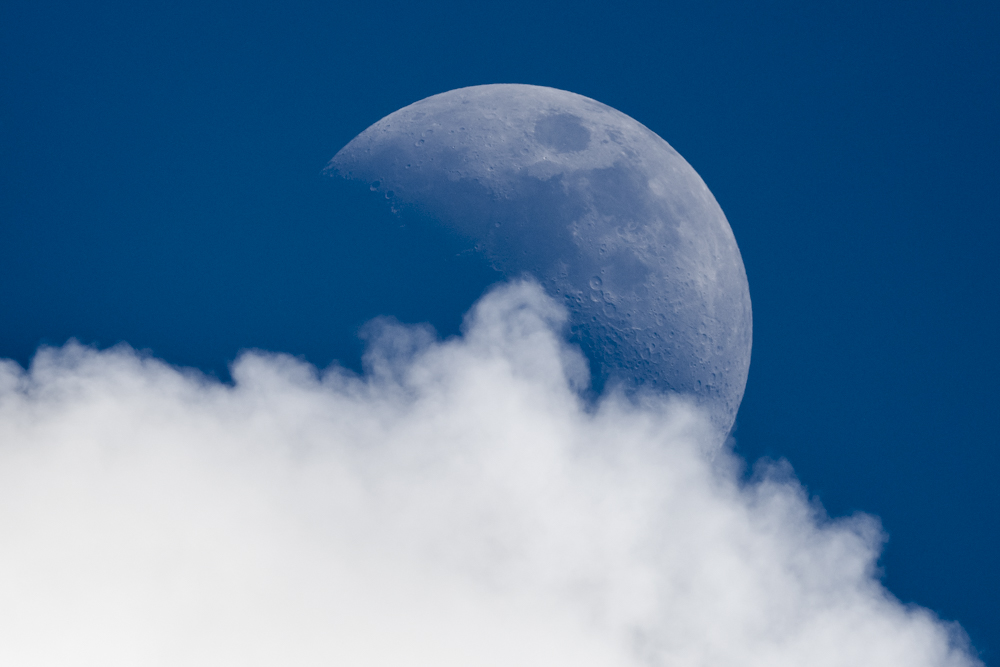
x=456 y=506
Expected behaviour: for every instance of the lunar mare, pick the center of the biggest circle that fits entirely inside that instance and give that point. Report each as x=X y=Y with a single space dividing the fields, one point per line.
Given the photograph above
x=598 y=208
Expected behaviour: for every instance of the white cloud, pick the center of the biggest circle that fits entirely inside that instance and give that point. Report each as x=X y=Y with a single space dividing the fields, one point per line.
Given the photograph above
x=456 y=507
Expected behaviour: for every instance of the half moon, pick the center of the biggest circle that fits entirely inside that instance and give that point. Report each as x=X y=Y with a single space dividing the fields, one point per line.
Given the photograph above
x=598 y=208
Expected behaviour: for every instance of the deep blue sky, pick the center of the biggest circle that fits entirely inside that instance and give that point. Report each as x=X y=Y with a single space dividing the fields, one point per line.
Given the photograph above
x=160 y=184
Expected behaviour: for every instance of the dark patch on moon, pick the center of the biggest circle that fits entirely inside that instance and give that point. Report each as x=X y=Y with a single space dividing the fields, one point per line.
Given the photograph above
x=562 y=132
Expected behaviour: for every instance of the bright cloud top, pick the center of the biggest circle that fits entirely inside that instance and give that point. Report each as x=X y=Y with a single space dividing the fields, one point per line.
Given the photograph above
x=458 y=506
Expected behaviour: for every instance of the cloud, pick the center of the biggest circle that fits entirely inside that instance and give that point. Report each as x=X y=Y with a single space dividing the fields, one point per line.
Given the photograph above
x=457 y=506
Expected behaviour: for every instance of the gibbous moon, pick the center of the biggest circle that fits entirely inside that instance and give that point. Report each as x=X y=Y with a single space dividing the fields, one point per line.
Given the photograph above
x=599 y=209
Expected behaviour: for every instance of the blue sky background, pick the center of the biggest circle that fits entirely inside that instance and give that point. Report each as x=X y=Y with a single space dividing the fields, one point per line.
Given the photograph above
x=160 y=184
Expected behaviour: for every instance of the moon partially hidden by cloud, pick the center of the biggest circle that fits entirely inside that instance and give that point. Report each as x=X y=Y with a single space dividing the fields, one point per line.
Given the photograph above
x=458 y=505
x=599 y=209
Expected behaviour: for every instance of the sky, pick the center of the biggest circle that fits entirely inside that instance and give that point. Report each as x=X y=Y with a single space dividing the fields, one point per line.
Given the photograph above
x=160 y=185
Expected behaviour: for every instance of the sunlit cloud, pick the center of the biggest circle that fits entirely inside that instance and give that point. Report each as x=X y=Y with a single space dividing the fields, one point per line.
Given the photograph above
x=458 y=505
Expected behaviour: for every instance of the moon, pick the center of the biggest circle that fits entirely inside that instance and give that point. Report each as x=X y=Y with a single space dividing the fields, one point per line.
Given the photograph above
x=599 y=209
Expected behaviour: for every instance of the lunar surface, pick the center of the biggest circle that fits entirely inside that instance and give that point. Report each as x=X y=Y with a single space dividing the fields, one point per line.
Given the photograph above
x=595 y=206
